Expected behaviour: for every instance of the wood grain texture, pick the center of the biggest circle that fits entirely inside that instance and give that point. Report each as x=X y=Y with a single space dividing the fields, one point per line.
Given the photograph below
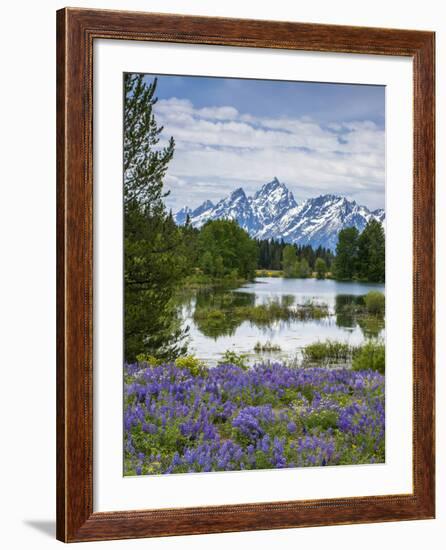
x=76 y=31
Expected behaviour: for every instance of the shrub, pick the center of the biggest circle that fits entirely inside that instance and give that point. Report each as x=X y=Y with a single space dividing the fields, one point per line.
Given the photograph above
x=151 y=360
x=192 y=364
x=375 y=302
x=321 y=268
x=370 y=356
x=233 y=358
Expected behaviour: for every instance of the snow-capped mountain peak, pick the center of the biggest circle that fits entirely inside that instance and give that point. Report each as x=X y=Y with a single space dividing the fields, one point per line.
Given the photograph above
x=272 y=212
x=207 y=205
x=272 y=201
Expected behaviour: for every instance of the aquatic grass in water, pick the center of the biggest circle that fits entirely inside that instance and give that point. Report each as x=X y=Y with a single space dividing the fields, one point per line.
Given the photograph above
x=266 y=347
x=371 y=355
x=263 y=313
x=329 y=351
x=269 y=416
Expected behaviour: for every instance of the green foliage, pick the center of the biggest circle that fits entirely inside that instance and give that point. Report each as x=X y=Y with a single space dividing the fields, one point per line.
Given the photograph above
x=292 y=266
x=226 y=249
x=154 y=262
x=272 y=255
x=233 y=358
x=212 y=252
x=145 y=164
x=321 y=268
x=375 y=302
x=371 y=325
x=361 y=256
x=153 y=269
x=371 y=253
x=192 y=364
x=352 y=311
x=369 y=356
x=269 y=273
x=287 y=300
x=290 y=262
x=372 y=355
x=149 y=359
x=304 y=268
x=324 y=420
x=274 y=311
x=328 y=351
x=223 y=317
x=345 y=264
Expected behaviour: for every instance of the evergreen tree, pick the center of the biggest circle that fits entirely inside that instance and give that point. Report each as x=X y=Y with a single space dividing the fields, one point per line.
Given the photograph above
x=153 y=264
x=145 y=164
x=371 y=253
x=277 y=251
x=271 y=254
x=345 y=264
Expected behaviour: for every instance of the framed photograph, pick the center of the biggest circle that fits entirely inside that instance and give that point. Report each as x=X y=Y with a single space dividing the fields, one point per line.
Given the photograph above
x=245 y=275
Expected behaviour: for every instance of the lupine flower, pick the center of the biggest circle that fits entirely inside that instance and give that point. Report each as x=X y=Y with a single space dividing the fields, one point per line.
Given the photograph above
x=230 y=419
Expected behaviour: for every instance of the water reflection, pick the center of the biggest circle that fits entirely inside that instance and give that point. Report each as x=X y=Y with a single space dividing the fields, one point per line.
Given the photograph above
x=346 y=309
x=222 y=318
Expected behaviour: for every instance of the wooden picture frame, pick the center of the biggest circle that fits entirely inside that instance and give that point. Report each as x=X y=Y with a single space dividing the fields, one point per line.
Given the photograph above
x=77 y=29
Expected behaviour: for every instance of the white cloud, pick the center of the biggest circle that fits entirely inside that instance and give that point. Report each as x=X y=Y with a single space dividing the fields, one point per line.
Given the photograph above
x=221 y=148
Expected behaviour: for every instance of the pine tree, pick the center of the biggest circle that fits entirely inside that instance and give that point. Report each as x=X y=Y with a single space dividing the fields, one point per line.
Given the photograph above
x=371 y=253
x=145 y=164
x=153 y=264
x=345 y=265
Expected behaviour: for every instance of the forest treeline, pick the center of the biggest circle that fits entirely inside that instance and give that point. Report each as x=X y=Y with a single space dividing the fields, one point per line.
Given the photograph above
x=361 y=256
x=161 y=257
x=271 y=254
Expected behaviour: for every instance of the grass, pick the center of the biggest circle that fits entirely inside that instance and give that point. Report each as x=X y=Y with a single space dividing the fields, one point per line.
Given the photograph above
x=262 y=314
x=266 y=347
x=372 y=355
x=327 y=352
x=368 y=356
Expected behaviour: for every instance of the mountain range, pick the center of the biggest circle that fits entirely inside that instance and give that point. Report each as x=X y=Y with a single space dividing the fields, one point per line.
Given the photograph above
x=273 y=213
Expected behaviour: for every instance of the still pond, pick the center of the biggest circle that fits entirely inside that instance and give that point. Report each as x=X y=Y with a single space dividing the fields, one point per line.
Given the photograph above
x=209 y=338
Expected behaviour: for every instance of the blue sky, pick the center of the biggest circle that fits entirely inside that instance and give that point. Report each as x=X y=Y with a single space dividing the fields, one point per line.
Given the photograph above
x=315 y=137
